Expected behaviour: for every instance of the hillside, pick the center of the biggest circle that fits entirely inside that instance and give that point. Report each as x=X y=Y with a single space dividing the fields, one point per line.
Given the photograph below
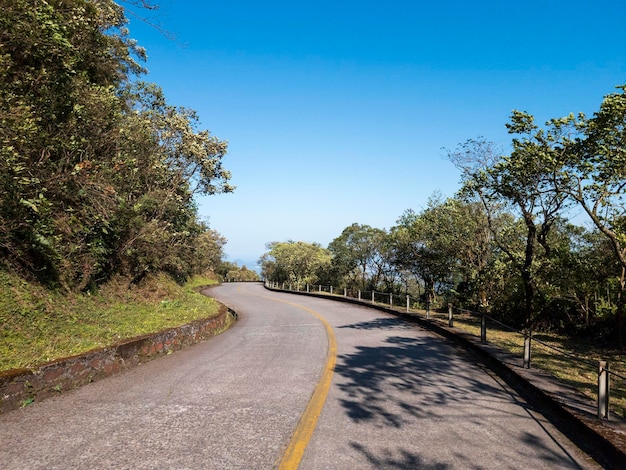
x=38 y=325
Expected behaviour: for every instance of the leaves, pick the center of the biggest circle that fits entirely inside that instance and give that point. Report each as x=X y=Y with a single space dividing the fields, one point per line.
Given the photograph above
x=98 y=173
x=296 y=262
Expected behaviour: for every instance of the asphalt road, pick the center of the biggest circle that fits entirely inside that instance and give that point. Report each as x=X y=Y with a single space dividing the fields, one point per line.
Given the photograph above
x=400 y=398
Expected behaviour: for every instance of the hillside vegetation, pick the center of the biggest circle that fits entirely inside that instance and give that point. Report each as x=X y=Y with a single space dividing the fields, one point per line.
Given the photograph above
x=100 y=237
x=38 y=325
x=98 y=173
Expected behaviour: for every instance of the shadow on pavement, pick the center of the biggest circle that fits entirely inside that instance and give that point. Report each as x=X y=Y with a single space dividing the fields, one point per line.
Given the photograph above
x=424 y=380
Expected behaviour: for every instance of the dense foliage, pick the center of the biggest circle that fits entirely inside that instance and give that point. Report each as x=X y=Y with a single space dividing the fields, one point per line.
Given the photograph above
x=232 y=272
x=97 y=171
x=297 y=263
x=506 y=243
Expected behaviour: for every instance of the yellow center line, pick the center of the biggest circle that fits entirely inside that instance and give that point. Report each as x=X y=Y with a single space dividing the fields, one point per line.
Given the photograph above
x=304 y=430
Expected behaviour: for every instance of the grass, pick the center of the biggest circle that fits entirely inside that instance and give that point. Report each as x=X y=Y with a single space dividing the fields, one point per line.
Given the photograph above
x=38 y=325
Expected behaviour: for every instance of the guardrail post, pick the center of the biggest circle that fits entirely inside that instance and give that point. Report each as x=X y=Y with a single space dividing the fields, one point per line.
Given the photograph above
x=603 y=390
x=450 y=320
x=483 y=329
x=408 y=303
x=527 y=340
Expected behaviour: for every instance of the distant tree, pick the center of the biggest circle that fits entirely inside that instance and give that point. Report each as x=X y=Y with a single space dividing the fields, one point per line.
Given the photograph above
x=459 y=230
x=415 y=250
x=295 y=262
x=359 y=257
x=242 y=274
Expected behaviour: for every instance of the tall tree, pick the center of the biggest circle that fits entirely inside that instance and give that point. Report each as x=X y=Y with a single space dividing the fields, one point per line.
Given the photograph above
x=61 y=63
x=591 y=170
x=163 y=161
x=96 y=175
x=521 y=184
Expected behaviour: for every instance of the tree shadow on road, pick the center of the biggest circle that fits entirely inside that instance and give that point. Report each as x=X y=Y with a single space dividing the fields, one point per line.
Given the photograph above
x=415 y=381
x=404 y=459
x=376 y=379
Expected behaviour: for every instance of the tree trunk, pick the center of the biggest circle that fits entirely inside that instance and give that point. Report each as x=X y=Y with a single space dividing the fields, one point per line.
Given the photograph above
x=526 y=271
x=619 y=315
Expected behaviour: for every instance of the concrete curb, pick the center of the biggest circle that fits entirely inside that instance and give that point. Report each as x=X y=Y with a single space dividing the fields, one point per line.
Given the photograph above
x=567 y=409
x=20 y=387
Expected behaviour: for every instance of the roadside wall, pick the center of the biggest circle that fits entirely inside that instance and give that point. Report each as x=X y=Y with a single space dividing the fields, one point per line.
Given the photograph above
x=20 y=387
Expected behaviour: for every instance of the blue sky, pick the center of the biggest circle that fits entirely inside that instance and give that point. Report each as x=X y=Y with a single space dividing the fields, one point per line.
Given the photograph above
x=337 y=111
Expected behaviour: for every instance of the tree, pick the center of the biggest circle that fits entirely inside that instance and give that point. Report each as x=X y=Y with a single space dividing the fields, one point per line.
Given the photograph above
x=521 y=184
x=358 y=256
x=60 y=66
x=418 y=252
x=459 y=230
x=163 y=162
x=582 y=266
x=591 y=170
x=295 y=262
x=97 y=176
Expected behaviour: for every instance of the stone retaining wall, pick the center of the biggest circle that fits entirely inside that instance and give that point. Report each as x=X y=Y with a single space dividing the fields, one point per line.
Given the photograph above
x=20 y=387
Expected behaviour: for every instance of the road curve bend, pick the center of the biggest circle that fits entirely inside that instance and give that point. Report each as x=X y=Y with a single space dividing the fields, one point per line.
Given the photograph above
x=296 y=382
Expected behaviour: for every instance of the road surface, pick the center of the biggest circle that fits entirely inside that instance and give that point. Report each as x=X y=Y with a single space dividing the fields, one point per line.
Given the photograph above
x=386 y=394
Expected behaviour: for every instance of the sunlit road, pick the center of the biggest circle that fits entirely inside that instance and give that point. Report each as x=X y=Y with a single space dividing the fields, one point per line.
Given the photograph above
x=400 y=397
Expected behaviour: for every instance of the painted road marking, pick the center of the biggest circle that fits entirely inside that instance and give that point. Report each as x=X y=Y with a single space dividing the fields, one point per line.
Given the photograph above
x=304 y=430
x=302 y=435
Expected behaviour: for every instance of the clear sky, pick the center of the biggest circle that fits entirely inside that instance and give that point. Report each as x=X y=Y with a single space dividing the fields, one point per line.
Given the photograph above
x=337 y=111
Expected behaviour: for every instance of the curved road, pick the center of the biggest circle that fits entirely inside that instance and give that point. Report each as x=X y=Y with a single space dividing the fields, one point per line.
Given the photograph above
x=385 y=395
